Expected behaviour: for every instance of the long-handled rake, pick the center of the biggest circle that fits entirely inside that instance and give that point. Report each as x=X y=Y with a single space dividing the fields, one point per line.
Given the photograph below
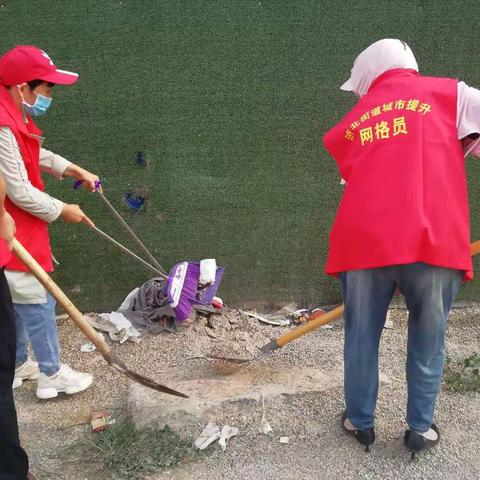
x=182 y=281
x=83 y=324
x=129 y=231
x=124 y=224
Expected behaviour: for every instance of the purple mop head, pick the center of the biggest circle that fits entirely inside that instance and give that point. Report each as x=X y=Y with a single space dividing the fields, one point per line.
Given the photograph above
x=182 y=287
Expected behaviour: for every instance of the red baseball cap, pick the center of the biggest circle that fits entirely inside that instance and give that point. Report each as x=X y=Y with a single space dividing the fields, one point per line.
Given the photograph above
x=25 y=63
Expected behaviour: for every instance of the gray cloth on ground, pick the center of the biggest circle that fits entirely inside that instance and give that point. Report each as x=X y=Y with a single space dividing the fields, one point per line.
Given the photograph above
x=150 y=309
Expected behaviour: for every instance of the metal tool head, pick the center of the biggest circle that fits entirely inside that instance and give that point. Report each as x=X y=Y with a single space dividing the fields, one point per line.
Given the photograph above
x=242 y=362
x=230 y=359
x=141 y=379
x=269 y=347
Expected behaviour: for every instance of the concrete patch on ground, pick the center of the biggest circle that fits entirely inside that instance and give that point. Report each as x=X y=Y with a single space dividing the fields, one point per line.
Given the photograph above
x=220 y=392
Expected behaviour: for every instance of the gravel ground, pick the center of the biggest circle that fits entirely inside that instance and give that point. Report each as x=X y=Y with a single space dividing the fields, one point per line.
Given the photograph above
x=317 y=447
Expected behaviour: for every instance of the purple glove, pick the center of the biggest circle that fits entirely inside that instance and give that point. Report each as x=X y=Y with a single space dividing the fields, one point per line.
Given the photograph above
x=78 y=183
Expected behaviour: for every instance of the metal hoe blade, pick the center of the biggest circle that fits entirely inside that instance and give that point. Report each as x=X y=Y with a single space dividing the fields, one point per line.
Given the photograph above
x=141 y=379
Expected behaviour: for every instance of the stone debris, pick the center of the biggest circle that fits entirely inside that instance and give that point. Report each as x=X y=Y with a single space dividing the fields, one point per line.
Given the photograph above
x=266 y=427
x=88 y=347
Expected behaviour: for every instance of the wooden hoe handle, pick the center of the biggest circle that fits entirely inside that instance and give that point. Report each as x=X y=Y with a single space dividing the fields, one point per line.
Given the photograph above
x=309 y=326
x=326 y=318
x=43 y=277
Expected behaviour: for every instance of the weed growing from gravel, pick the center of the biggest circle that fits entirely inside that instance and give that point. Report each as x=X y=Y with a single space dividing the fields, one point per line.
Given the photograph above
x=466 y=378
x=123 y=452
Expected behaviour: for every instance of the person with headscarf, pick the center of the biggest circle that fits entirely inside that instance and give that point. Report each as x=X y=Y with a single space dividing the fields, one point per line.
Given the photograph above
x=403 y=222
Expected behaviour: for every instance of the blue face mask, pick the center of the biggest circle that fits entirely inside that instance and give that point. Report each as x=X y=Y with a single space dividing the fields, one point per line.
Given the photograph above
x=40 y=107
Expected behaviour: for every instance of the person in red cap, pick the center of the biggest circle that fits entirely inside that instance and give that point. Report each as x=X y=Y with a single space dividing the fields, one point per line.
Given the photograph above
x=27 y=78
x=403 y=222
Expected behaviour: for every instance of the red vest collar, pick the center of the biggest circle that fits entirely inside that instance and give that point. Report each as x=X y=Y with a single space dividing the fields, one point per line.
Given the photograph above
x=16 y=115
x=391 y=73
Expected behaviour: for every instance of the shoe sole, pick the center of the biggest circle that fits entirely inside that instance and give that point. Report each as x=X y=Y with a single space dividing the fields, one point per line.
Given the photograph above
x=46 y=393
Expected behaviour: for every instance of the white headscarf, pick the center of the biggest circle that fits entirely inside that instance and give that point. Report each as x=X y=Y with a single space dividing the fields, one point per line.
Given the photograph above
x=378 y=58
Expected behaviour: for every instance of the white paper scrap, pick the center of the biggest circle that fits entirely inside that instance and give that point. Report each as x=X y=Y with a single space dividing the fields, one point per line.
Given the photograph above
x=210 y=433
x=227 y=433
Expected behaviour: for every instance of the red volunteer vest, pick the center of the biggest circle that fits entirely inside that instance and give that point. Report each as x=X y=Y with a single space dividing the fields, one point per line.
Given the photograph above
x=406 y=198
x=31 y=232
x=4 y=254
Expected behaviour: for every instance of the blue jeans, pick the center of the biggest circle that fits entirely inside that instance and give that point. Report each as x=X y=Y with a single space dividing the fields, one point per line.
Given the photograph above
x=429 y=294
x=37 y=323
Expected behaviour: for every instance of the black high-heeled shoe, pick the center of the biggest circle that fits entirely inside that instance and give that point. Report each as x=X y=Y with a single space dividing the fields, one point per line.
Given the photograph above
x=416 y=441
x=365 y=437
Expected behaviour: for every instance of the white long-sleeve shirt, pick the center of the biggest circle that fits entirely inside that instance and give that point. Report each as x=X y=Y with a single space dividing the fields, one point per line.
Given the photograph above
x=19 y=189
x=24 y=287
x=468 y=115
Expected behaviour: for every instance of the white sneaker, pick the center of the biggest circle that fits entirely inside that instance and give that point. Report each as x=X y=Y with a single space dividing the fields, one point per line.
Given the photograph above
x=65 y=380
x=26 y=371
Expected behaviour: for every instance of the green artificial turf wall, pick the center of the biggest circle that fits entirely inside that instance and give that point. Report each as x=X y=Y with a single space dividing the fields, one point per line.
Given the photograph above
x=228 y=100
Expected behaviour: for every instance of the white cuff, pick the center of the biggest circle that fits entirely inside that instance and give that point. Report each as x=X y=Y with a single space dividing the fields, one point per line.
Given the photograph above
x=51 y=217
x=59 y=165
